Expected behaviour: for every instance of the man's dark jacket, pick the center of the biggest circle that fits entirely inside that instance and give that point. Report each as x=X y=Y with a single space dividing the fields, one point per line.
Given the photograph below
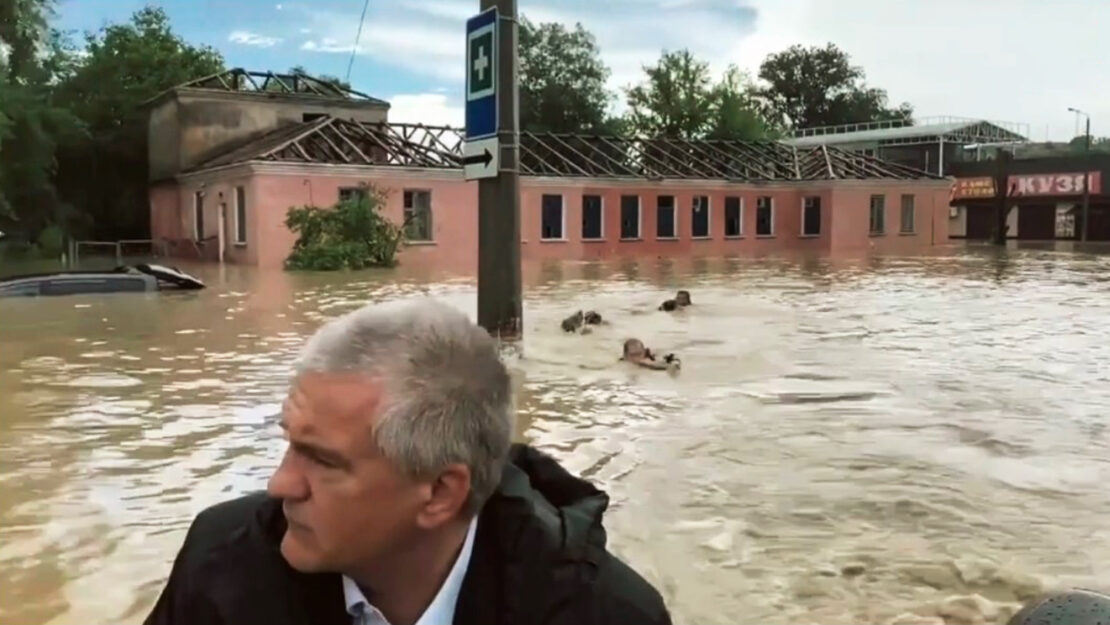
x=539 y=557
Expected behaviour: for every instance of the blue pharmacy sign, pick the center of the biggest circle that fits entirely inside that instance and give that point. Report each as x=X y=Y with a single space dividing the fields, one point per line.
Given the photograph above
x=481 y=75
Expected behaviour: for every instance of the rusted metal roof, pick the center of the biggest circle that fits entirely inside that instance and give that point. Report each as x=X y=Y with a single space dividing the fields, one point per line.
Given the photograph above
x=332 y=140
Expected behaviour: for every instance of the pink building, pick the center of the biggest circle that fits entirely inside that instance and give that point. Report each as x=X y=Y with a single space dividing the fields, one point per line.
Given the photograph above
x=581 y=197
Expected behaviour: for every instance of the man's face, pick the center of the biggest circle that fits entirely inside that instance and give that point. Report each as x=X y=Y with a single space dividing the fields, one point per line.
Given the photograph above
x=633 y=348
x=345 y=503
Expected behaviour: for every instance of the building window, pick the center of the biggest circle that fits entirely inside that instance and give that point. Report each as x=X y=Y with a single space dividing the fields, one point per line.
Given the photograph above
x=811 y=216
x=418 y=214
x=198 y=215
x=666 y=220
x=551 y=217
x=347 y=194
x=241 y=215
x=734 y=217
x=878 y=214
x=908 y=214
x=630 y=217
x=592 y=228
x=764 y=216
x=699 y=217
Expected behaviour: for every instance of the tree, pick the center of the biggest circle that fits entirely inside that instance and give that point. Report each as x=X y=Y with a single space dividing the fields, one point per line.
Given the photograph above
x=678 y=99
x=353 y=234
x=33 y=58
x=1098 y=144
x=325 y=78
x=124 y=66
x=562 y=80
x=817 y=86
x=735 y=112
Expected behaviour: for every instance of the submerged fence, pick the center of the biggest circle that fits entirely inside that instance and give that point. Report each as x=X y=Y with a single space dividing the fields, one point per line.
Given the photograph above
x=120 y=249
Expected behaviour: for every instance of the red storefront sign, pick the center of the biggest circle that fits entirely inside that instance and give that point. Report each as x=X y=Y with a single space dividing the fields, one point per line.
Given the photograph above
x=973 y=187
x=1053 y=184
x=1024 y=185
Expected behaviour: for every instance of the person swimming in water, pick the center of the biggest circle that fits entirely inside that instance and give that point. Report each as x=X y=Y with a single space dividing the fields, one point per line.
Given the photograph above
x=637 y=353
x=575 y=322
x=681 y=300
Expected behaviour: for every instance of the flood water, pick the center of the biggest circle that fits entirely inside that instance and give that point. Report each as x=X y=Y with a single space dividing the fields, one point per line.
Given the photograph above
x=847 y=440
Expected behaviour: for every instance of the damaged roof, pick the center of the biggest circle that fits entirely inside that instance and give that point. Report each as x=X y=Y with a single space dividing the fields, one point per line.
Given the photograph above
x=331 y=140
x=239 y=80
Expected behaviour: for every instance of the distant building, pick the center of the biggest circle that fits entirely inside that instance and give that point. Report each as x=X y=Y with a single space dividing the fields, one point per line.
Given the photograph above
x=233 y=156
x=930 y=144
x=194 y=122
x=1046 y=198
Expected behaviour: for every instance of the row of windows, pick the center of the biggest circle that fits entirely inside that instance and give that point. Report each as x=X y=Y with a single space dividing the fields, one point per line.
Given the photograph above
x=878 y=215
x=240 y=215
x=553 y=217
x=417 y=205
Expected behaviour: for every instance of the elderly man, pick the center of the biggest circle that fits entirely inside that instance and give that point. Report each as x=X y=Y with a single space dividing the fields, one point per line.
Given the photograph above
x=401 y=501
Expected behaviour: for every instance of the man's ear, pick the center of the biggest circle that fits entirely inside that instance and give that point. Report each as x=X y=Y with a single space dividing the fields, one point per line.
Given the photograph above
x=448 y=496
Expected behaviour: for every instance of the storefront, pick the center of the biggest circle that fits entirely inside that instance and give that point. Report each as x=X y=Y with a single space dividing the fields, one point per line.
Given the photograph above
x=1045 y=199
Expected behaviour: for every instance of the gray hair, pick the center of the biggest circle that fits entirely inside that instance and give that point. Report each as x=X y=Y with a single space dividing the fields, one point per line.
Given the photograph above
x=448 y=396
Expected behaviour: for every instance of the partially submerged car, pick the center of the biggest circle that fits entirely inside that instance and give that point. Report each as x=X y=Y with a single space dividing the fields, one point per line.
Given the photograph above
x=125 y=279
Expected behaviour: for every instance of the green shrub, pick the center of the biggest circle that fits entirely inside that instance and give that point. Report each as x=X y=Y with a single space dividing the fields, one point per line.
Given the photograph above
x=51 y=242
x=353 y=234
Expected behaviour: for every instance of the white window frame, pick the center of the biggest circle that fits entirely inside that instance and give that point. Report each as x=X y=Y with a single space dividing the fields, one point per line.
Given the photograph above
x=772 y=220
x=639 y=218
x=902 y=213
x=602 y=204
x=740 y=217
x=802 y=215
x=431 y=212
x=562 y=217
x=870 y=209
x=674 y=218
x=708 y=218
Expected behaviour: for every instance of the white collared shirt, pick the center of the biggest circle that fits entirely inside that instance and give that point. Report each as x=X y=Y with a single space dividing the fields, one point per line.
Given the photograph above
x=441 y=611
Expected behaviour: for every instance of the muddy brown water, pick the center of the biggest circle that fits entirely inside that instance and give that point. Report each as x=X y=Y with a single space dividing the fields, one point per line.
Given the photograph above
x=847 y=440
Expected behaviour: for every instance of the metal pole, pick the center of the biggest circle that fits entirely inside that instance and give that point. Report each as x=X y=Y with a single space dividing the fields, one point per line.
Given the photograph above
x=940 y=157
x=499 y=277
x=1087 y=180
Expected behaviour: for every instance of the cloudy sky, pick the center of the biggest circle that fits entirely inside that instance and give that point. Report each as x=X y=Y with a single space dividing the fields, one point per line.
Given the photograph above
x=1020 y=61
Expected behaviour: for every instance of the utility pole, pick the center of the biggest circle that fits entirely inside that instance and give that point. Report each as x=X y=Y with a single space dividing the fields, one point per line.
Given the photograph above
x=1087 y=180
x=492 y=156
x=1086 y=175
x=1001 y=196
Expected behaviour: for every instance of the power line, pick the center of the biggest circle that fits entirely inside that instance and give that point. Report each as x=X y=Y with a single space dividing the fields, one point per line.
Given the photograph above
x=358 y=36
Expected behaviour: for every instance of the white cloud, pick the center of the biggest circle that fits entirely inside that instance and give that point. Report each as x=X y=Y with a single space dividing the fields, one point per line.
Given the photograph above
x=1025 y=62
x=430 y=109
x=247 y=38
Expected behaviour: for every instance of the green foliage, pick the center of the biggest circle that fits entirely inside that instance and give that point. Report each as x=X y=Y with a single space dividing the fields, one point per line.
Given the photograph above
x=678 y=99
x=818 y=86
x=32 y=125
x=562 y=79
x=72 y=131
x=351 y=235
x=1078 y=145
x=51 y=241
x=124 y=66
x=735 y=112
